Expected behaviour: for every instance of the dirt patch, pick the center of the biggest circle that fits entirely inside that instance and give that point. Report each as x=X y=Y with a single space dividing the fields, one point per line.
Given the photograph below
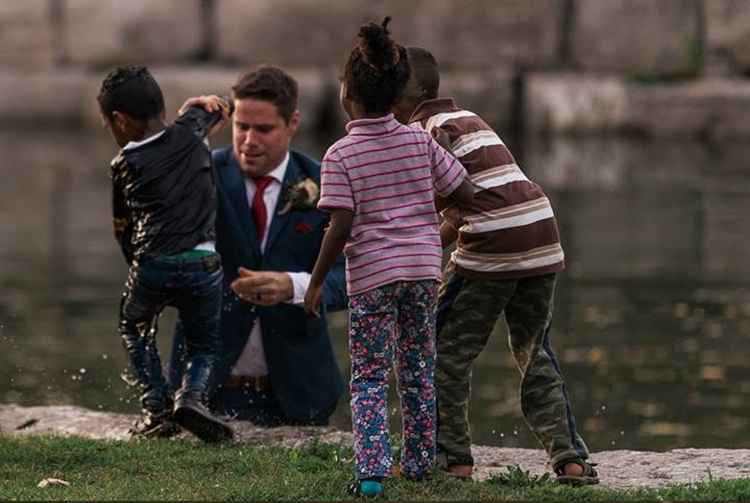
x=618 y=469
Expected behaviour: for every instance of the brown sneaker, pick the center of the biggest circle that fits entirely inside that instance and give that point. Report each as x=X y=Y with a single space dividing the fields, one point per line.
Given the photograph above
x=198 y=420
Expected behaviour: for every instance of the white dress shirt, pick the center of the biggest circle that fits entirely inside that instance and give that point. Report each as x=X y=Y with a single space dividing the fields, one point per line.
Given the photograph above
x=252 y=360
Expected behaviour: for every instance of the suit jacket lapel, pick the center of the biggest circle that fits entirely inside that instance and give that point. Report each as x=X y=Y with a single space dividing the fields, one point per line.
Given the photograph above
x=237 y=192
x=278 y=222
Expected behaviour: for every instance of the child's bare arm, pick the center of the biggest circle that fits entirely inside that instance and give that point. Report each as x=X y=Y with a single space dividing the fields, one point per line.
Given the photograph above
x=464 y=194
x=448 y=234
x=333 y=244
x=441 y=203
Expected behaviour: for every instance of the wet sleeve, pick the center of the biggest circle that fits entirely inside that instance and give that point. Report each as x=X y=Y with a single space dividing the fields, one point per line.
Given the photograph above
x=122 y=222
x=199 y=121
x=335 y=188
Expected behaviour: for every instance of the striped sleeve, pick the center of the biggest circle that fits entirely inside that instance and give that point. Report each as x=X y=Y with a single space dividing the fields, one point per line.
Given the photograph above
x=335 y=188
x=447 y=172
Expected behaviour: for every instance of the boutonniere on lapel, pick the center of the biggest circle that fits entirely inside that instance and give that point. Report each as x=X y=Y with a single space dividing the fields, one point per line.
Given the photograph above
x=300 y=196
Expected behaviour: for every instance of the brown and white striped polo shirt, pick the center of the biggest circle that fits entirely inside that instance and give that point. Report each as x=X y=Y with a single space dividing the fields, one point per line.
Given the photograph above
x=509 y=231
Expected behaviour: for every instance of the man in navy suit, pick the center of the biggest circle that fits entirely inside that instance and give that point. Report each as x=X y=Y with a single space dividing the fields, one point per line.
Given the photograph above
x=277 y=365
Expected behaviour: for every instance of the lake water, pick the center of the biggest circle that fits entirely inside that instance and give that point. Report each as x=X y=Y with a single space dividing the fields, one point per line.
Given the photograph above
x=652 y=321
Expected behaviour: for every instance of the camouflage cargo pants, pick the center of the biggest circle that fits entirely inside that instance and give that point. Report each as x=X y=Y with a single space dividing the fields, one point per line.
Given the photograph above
x=467 y=312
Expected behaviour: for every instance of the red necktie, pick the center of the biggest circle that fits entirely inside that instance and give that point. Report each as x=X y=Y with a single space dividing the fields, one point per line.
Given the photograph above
x=259 y=207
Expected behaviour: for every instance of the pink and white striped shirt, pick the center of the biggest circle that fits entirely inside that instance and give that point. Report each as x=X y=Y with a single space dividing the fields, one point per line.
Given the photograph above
x=387 y=174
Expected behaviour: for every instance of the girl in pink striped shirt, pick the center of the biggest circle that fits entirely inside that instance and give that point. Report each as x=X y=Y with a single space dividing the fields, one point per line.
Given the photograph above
x=379 y=184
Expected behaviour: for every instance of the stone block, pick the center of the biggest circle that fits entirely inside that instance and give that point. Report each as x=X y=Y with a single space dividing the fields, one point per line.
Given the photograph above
x=708 y=109
x=101 y=33
x=43 y=97
x=290 y=33
x=583 y=104
x=26 y=34
x=654 y=38
x=726 y=234
x=575 y=103
x=490 y=94
x=480 y=33
x=728 y=33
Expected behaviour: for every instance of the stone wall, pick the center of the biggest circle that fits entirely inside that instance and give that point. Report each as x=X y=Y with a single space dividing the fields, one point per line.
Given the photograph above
x=549 y=66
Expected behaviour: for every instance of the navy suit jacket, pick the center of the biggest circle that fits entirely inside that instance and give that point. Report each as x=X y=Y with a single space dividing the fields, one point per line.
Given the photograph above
x=304 y=375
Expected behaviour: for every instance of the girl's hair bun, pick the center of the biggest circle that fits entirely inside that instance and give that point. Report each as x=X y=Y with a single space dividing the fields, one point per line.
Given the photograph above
x=376 y=46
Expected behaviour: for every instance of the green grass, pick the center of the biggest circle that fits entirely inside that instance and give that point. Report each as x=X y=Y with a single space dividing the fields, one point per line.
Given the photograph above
x=182 y=470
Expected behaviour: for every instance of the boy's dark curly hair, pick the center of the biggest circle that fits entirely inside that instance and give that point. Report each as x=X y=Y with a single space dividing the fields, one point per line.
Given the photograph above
x=131 y=90
x=377 y=70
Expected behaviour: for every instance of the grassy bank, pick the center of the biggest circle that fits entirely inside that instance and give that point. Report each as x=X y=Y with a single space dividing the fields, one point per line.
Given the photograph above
x=182 y=470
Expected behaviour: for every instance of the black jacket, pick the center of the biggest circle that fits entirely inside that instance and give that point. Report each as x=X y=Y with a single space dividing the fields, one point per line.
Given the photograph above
x=164 y=192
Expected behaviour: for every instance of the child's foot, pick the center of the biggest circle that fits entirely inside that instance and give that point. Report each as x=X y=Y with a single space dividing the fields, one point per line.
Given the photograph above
x=577 y=472
x=367 y=488
x=460 y=471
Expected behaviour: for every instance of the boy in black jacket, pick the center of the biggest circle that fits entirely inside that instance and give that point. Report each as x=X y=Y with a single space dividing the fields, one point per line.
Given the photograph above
x=164 y=206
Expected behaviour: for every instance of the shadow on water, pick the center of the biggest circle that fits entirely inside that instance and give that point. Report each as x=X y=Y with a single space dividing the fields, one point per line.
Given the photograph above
x=652 y=318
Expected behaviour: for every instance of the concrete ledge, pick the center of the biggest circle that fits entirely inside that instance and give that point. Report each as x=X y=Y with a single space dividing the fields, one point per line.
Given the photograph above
x=575 y=104
x=658 y=38
x=27 y=37
x=728 y=34
x=471 y=34
x=43 y=98
x=554 y=103
x=34 y=97
x=102 y=33
x=621 y=469
x=571 y=103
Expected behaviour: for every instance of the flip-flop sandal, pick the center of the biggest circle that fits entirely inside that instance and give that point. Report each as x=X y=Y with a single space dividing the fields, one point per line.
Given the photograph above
x=588 y=477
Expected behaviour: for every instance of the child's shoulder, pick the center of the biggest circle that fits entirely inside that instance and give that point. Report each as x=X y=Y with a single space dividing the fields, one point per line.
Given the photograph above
x=334 y=151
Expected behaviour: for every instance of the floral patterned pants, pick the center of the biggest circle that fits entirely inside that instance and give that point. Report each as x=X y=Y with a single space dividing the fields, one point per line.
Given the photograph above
x=394 y=323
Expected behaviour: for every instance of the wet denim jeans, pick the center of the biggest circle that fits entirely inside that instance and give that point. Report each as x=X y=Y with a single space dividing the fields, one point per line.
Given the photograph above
x=192 y=283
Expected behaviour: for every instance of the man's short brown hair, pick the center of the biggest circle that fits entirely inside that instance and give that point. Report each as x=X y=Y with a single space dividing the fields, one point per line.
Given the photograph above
x=269 y=83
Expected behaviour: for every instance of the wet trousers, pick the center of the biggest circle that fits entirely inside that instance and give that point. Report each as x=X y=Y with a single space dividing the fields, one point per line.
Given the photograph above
x=193 y=285
x=393 y=324
x=467 y=312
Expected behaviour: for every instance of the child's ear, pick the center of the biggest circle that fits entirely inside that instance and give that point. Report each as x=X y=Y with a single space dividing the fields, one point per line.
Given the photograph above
x=121 y=120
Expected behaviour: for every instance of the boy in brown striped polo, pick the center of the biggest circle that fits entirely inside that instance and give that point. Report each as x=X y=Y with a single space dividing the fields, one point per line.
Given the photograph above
x=506 y=259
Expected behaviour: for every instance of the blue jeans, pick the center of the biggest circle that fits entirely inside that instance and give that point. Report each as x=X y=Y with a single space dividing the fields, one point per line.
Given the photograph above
x=192 y=283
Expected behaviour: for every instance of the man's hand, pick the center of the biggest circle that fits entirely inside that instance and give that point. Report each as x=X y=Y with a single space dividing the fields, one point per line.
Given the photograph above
x=210 y=104
x=312 y=300
x=264 y=288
